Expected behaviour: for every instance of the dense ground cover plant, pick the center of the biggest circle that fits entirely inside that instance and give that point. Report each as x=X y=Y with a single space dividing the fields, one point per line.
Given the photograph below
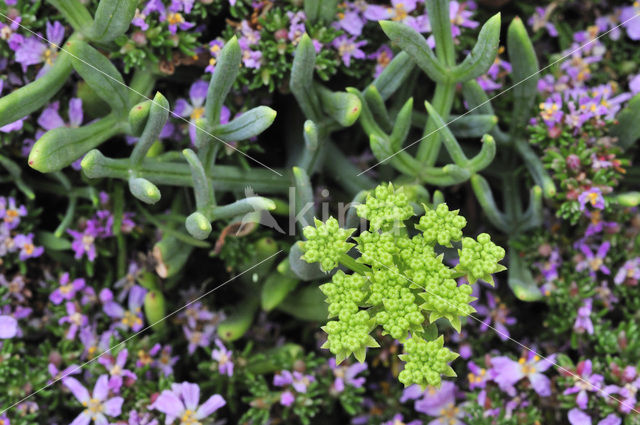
x=207 y=206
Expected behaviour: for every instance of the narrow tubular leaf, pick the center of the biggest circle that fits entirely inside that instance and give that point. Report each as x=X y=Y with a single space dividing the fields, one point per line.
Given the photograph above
x=158 y=115
x=483 y=53
x=472 y=125
x=375 y=102
x=227 y=68
x=476 y=97
x=243 y=206
x=61 y=146
x=520 y=279
x=536 y=168
x=450 y=142
x=248 y=125
x=303 y=202
x=301 y=83
x=440 y=20
x=485 y=198
x=92 y=67
x=75 y=13
x=33 y=96
x=112 y=19
x=485 y=156
x=415 y=45
x=198 y=225
x=201 y=186
x=402 y=125
x=524 y=73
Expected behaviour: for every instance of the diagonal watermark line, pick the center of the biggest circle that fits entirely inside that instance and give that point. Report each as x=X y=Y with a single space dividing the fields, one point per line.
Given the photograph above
x=136 y=334
x=560 y=368
x=140 y=94
x=501 y=93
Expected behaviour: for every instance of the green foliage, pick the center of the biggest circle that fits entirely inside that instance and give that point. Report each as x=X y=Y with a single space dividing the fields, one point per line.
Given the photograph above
x=326 y=243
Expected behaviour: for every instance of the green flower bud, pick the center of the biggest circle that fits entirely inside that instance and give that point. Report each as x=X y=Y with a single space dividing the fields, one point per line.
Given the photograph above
x=441 y=225
x=479 y=260
x=325 y=243
x=386 y=208
x=425 y=362
x=344 y=292
x=350 y=334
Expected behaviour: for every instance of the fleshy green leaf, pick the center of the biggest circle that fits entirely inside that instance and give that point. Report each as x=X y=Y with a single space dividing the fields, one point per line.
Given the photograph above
x=61 y=146
x=100 y=75
x=275 y=290
x=112 y=19
x=415 y=45
x=342 y=107
x=524 y=74
x=483 y=53
x=627 y=129
x=301 y=82
x=227 y=68
x=248 y=125
x=158 y=115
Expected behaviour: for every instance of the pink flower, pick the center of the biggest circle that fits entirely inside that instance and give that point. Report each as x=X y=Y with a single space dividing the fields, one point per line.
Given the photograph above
x=97 y=406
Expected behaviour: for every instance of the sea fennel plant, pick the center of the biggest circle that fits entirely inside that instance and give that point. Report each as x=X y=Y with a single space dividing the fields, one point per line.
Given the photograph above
x=400 y=280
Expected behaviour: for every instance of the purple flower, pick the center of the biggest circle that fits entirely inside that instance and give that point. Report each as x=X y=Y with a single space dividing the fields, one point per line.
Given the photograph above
x=497 y=314
x=182 y=402
x=176 y=20
x=67 y=289
x=399 y=420
x=585 y=381
x=136 y=418
x=296 y=26
x=57 y=374
x=351 y=22
x=287 y=398
x=248 y=36
x=8 y=327
x=594 y=262
x=166 y=361
x=97 y=406
x=115 y=367
x=478 y=376
x=383 y=57
x=197 y=312
x=50 y=118
x=299 y=381
x=509 y=372
x=347 y=375
x=578 y=417
x=583 y=320
x=132 y=317
x=75 y=318
x=631 y=23
x=93 y=342
x=441 y=404
x=349 y=48
x=215 y=47
x=33 y=51
x=10 y=212
x=26 y=246
x=551 y=110
x=252 y=58
x=630 y=271
x=223 y=357
x=198 y=338
x=540 y=19
x=84 y=243
x=195 y=109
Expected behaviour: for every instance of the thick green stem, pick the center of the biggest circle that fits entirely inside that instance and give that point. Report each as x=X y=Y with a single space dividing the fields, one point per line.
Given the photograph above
x=353 y=265
x=430 y=145
x=224 y=177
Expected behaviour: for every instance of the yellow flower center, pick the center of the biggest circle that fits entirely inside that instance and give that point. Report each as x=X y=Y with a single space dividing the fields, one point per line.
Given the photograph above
x=65 y=289
x=175 y=19
x=93 y=407
x=189 y=418
x=130 y=319
x=197 y=113
x=400 y=12
x=593 y=198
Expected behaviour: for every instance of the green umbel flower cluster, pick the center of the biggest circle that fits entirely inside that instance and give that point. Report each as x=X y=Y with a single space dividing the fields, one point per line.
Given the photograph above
x=441 y=225
x=386 y=208
x=425 y=362
x=399 y=282
x=479 y=260
x=325 y=243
